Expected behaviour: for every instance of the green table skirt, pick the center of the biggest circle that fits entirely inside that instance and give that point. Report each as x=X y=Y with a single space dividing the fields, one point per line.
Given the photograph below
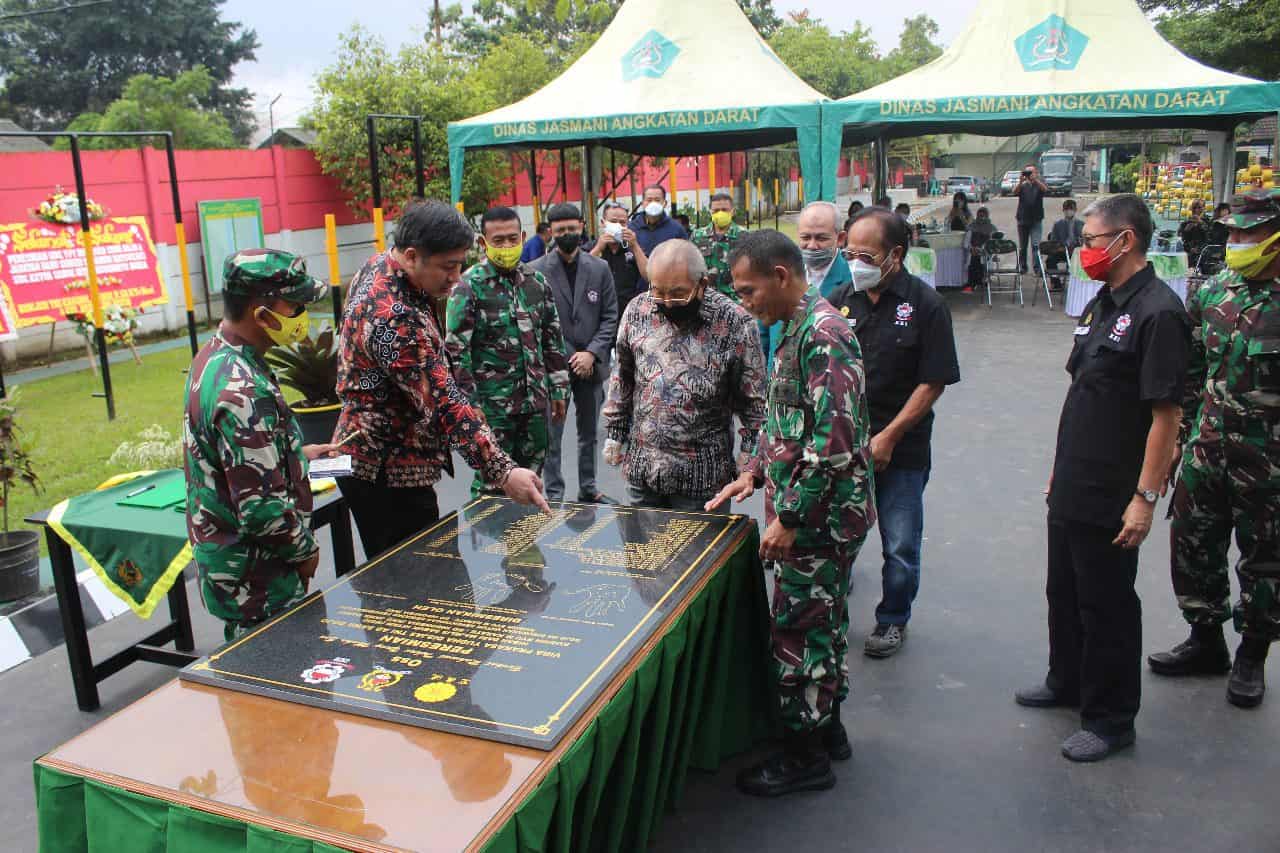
x=703 y=694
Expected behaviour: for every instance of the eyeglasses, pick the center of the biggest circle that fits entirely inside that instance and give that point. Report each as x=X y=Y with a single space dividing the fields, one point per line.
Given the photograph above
x=1087 y=239
x=672 y=303
x=865 y=257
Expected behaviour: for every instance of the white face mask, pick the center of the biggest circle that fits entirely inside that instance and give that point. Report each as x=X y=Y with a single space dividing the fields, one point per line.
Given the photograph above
x=865 y=275
x=654 y=209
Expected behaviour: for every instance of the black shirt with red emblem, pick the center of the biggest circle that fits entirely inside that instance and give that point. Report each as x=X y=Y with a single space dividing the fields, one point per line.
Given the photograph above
x=906 y=341
x=1131 y=350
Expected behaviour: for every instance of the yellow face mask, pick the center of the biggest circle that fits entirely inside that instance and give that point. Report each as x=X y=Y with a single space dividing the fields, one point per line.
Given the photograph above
x=721 y=219
x=1251 y=259
x=292 y=329
x=503 y=259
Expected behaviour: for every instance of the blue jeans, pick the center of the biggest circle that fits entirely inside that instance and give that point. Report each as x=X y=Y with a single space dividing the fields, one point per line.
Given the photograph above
x=900 y=505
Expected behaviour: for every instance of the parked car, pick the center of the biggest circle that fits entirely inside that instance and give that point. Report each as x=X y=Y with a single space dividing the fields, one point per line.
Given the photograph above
x=970 y=186
x=1009 y=182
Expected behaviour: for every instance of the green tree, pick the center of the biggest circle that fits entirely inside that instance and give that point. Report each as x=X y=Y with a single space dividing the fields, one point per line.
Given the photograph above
x=836 y=64
x=158 y=103
x=1235 y=35
x=56 y=67
x=917 y=45
x=418 y=80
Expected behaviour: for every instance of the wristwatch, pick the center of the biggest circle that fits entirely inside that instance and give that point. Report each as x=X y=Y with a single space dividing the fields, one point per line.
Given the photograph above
x=790 y=519
x=1148 y=495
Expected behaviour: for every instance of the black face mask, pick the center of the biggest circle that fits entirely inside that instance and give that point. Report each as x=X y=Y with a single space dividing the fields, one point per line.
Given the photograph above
x=568 y=243
x=681 y=314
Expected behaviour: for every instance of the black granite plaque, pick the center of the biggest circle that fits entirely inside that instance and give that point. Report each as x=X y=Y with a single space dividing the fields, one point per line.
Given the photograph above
x=499 y=622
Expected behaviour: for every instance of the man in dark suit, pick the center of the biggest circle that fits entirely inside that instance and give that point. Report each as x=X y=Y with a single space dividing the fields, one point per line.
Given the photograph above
x=588 y=308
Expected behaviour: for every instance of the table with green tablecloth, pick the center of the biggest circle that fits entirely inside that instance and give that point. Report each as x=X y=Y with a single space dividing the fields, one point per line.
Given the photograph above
x=1169 y=266
x=133 y=536
x=197 y=768
x=922 y=263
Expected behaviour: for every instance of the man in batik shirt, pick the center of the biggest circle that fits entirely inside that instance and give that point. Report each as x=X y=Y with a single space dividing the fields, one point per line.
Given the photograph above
x=688 y=360
x=401 y=411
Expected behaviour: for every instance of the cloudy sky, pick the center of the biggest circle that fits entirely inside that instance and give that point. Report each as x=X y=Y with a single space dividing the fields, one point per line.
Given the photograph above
x=299 y=37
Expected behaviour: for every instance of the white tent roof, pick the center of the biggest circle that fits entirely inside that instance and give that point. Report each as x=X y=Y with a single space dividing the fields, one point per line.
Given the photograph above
x=667 y=77
x=1024 y=65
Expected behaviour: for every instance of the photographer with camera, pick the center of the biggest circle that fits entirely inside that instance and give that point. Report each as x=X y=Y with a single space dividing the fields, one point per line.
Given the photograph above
x=1030 y=192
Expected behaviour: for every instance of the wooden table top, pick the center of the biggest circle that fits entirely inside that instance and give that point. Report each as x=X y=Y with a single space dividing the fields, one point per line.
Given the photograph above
x=350 y=781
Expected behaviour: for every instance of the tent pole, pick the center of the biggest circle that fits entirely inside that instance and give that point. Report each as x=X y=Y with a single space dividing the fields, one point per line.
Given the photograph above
x=631 y=179
x=564 y=178
x=533 y=184
x=776 y=202
x=697 y=191
x=613 y=174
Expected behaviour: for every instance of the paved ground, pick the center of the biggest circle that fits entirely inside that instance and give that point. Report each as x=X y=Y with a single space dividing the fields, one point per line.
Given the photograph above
x=943 y=759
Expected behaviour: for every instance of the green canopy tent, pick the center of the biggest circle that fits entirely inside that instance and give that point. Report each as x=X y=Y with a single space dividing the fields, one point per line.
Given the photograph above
x=666 y=78
x=1035 y=65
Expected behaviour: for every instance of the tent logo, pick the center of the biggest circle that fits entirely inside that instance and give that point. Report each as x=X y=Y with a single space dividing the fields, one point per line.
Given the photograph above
x=1050 y=45
x=650 y=57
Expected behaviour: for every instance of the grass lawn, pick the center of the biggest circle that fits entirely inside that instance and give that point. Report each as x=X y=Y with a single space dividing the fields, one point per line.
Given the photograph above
x=68 y=431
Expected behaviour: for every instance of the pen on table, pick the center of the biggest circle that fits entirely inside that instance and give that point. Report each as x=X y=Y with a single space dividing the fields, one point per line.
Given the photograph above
x=137 y=492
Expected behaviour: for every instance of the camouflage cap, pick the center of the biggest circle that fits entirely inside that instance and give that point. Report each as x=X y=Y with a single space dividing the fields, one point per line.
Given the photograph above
x=1248 y=210
x=270 y=272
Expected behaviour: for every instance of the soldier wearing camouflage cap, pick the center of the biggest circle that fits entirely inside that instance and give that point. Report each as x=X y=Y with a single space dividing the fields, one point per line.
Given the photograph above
x=248 y=496
x=1231 y=459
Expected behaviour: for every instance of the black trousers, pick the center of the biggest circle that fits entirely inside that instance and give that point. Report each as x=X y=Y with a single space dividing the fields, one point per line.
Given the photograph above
x=1095 y=624
x=385 y=515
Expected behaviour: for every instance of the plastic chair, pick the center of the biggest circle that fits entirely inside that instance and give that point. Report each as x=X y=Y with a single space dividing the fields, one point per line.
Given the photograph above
x=1002 y=277
x=1051 y=249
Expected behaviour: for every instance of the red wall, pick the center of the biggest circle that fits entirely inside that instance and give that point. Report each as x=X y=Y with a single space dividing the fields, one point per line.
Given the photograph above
x=295 y=194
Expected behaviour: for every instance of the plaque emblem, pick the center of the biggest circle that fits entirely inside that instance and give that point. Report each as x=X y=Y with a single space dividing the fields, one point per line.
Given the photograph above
x=380 y=679
x=1051 y=44
x=435 y=691
x=325 y=671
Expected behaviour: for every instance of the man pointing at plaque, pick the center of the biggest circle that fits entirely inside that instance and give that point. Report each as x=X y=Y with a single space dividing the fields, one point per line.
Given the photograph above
x=401 y=411
x=815 y=463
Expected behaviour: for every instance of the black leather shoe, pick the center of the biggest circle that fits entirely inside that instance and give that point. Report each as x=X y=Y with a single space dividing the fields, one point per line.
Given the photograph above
x=1193 y=656
x=597 y=498
x=1043 y=696
x=835 y=740
x=1246 y=686
x=798 y=767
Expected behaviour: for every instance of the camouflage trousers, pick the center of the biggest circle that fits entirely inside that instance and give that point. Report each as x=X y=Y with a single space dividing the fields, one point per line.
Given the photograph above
x=1217 y=494
x=523 y=437
x=809 y=635
x=241 y=605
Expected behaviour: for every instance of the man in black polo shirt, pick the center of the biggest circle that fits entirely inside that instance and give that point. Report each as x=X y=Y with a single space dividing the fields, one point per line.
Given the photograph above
x=1116 y=439
x=618 y=248
x=1030 y=215
x=909 y=352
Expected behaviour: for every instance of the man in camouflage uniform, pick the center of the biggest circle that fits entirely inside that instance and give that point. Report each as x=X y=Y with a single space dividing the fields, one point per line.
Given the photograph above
x=248 y=496
x=1231 y=462
x=504 y=337
x=814 y=459
x=717 y=240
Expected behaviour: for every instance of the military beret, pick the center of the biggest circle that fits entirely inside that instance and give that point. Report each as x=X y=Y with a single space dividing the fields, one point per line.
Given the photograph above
x=271 y=273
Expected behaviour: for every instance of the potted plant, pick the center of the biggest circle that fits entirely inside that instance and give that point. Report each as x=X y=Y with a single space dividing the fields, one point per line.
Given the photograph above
x=19 y=549
x=310 y=367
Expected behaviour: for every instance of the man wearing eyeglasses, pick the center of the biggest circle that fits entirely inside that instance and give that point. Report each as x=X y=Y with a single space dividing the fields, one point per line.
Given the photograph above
x=688 y=361
x=1116 y=439
x=904 y=329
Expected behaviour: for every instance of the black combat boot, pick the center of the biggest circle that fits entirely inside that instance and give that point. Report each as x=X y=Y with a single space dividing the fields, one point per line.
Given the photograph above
x=801 y=765
x=1246 y=686
x=835 y=740
x=1203 y=653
